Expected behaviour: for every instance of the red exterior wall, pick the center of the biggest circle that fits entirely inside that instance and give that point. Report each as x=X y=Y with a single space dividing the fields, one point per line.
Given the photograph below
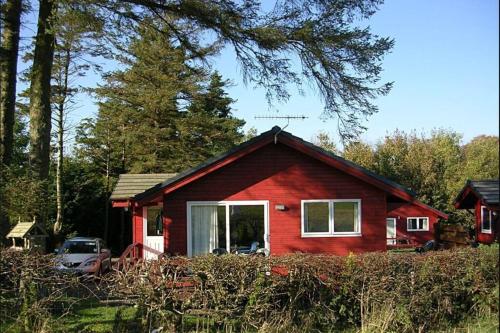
x=137 y=235
x=401 y=211
x=282 y=175
x=481 y=237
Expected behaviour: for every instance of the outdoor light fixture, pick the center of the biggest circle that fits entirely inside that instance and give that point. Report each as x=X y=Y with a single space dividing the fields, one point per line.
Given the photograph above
x=280 y=207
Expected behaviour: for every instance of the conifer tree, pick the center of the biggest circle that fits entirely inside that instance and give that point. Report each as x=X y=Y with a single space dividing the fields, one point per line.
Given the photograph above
x=166 y=113
x=336 y=54
x=11 y=22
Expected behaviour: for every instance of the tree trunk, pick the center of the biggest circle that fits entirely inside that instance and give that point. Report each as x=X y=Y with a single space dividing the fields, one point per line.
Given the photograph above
x=60 y=142
x=8 y=64
x=40 y=96
x=9 y=48
x=106 y=200
x=40 y=108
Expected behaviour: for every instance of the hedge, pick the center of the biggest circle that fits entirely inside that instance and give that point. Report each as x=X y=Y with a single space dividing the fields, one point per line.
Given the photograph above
x=398 y=292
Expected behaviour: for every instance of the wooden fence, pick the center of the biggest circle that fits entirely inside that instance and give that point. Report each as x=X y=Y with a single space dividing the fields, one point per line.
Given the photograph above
x=451 y=235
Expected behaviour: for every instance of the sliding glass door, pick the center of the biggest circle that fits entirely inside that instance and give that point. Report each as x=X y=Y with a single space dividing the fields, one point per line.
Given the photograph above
x=227 y=224
x=204 y=230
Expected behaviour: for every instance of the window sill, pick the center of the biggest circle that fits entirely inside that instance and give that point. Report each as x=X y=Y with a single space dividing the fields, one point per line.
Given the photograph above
x=412 y=230
x=331 y=235
x=486 y=232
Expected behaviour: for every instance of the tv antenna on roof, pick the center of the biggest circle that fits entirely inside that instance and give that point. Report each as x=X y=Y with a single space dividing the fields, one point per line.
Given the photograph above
x=288 y=118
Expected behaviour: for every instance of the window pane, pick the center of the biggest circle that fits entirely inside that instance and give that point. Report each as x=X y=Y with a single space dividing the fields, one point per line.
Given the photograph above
x=424 y=224
x=221 y=227
x=246 y=225
x=203 y=229
x=154 y=221
x=486 y=219
x=412 y=224
x=345 y=218
x=316 y=216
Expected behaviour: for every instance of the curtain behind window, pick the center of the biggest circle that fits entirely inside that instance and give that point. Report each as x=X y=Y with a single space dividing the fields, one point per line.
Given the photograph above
x=203 y=229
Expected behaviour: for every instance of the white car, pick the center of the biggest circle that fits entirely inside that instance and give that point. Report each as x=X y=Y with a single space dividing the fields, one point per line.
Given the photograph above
x=83 y=255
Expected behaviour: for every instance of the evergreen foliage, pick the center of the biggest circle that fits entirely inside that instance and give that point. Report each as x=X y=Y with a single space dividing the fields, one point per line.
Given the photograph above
x=341 y=59
x=161 y=113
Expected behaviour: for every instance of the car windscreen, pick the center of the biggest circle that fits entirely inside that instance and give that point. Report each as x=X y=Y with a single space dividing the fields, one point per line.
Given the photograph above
x=79 y=247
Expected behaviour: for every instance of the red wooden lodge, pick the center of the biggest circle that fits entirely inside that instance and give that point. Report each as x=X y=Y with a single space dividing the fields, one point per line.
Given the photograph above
x=280 y=191
x=481 y=196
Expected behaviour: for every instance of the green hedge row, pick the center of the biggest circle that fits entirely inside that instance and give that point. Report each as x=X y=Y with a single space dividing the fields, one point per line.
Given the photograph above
x=398 y=292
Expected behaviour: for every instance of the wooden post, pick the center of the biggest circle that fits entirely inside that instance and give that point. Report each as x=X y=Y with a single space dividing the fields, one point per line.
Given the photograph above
x=122 y=229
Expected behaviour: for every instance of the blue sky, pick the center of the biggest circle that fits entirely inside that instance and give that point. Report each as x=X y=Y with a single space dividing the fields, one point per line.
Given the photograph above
x=445 y=65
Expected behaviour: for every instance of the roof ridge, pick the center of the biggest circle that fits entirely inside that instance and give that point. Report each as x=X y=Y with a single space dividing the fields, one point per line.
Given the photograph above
x=276 y=130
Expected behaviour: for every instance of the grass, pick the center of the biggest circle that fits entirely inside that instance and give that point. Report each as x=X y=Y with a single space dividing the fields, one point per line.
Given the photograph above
x=92 y=316
x=88 y=316
x=487 y=324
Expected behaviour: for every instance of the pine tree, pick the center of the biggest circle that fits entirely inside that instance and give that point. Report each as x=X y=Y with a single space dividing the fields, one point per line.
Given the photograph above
x=11 y=21
x=340 y=58
x=73 y=42
x=166 y=113
x=40 y=95
x=11 y=17
x=208 y=128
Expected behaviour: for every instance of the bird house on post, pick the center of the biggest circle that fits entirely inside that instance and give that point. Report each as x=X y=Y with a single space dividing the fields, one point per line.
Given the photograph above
x=28 y=236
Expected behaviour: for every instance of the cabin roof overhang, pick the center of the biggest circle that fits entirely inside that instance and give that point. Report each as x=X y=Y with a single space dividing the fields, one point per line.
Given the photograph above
x=131 y=184
x=485 y=191
x=276 y=135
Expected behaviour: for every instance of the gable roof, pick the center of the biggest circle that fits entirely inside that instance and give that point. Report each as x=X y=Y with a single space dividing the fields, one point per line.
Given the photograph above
x=130 y=184
x=276 y=134
x=485 y=190
x=21 y=229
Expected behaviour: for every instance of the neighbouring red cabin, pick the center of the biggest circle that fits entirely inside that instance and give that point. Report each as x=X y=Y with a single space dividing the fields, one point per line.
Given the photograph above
x=481 y=196
x=279 y=193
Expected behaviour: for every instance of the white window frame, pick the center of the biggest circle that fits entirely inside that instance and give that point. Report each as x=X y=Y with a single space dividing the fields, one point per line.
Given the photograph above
x=490 y=214
x=417 y=217
x=226 y=204
x=302 y=219
x=331 y=221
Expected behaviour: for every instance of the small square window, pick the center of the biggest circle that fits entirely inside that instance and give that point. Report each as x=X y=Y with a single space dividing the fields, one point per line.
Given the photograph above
x=316 y=217
x=345 y=217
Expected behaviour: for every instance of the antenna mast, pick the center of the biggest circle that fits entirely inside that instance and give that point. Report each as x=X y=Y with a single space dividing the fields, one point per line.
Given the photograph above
x=288 y=118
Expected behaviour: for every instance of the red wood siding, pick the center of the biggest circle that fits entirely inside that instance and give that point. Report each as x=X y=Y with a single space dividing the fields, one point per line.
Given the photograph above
x=137 y=225
x=282 y=175
x=481 y=237
x=401 y=211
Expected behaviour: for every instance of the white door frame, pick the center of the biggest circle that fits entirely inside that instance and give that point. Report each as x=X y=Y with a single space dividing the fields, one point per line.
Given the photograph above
x=158 y=241
x=228 y=203
x=387 y=228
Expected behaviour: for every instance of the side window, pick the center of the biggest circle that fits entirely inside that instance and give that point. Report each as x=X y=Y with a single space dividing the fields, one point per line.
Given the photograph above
x=486 y=217
x=316 y=217
x=331 y=218
x=417 y=224
x=154 y=221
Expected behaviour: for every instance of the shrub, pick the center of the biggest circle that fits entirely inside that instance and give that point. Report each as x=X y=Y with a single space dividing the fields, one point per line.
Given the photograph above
x=32 y=296
x=376 y=291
